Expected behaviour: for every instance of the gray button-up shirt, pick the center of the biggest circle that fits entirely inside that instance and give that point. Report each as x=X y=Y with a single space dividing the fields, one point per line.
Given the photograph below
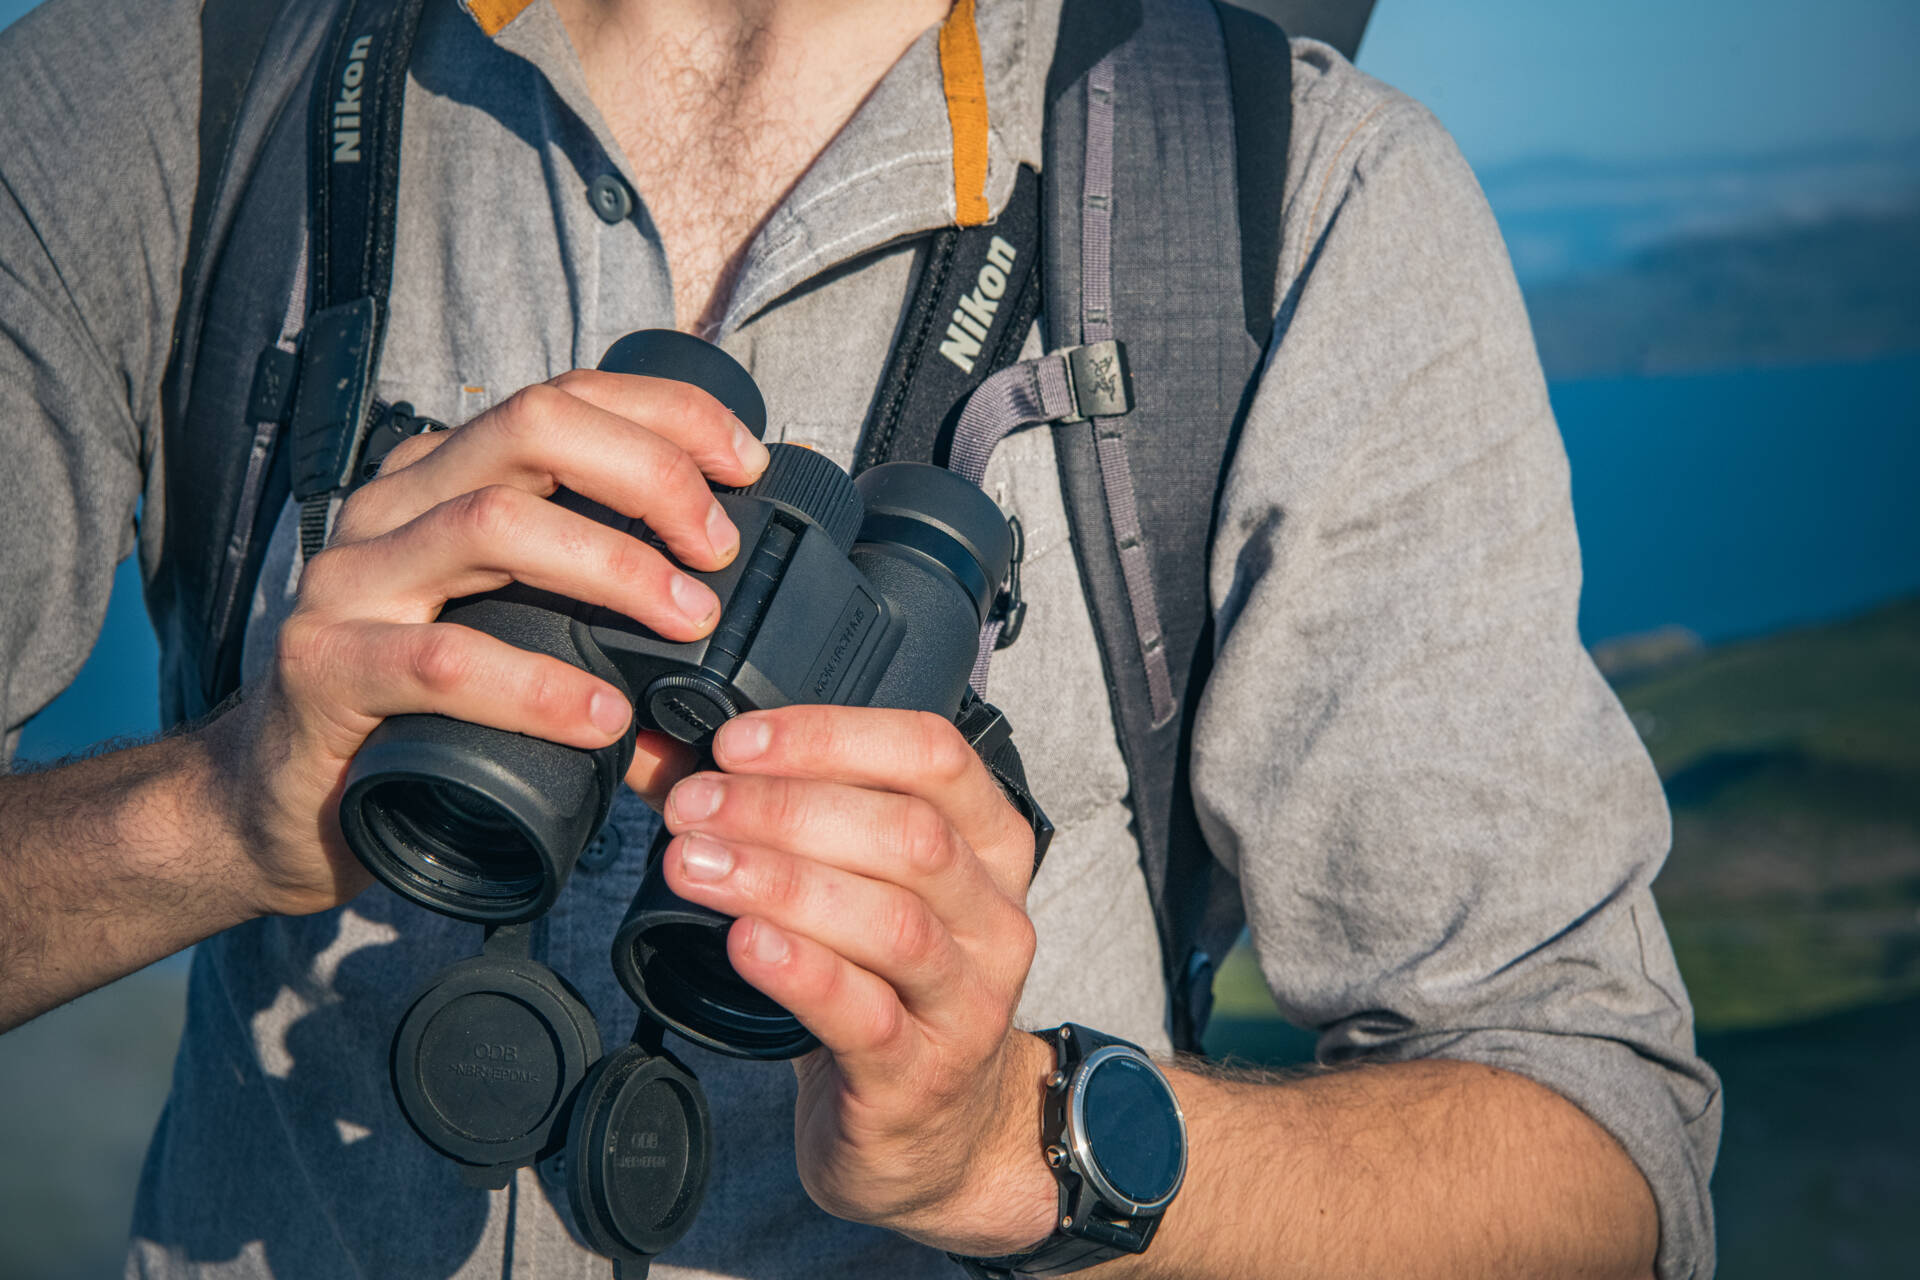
x=1444 y=826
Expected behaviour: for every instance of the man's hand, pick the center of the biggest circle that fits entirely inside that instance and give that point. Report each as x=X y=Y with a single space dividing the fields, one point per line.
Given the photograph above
x=879 y=877
x=462 y=512
x=113 y=862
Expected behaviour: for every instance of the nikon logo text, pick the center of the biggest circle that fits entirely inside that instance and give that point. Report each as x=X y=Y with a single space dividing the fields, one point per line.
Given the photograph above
x=346 y=108
x=974 y=316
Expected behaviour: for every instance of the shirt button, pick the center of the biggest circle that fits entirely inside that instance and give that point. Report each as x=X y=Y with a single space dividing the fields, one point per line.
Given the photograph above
x=603 y=850
x=610 y=198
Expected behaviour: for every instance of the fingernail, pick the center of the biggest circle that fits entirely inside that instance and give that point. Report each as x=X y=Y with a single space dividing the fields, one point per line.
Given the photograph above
x=608 y=711
x=704 y=860
x=692 y=599
x=767 y=945
x=695 y=799
x=743 y=738
x=752 y=454
x=721 y=535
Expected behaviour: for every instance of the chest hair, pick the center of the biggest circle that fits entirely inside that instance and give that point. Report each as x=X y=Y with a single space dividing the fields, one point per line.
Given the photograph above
x=720 y=119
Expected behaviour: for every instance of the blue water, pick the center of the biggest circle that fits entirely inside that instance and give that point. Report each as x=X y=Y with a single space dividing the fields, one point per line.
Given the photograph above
x=1739 y=503
x=1732 y=503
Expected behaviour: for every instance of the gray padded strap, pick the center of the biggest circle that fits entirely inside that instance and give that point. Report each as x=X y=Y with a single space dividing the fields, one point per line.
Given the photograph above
x=1096 y=325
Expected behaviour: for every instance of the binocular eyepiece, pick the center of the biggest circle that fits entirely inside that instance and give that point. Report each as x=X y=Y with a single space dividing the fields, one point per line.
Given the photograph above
x=855 y=592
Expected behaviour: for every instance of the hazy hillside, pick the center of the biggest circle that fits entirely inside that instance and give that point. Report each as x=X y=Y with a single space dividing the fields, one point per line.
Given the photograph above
x=1573 y=215
x=1846 y=288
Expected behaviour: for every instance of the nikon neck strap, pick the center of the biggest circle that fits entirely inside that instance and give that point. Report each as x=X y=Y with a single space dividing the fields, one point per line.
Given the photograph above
x=354 y=154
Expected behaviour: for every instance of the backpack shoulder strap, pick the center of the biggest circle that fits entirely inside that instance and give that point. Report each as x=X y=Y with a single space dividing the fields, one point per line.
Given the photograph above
x=234 y=40
x=232 y=35
x=1260 y=72
x=1165 y=161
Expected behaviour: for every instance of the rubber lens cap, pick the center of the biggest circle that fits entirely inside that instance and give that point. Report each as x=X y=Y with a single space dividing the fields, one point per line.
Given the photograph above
x=639 y=1149
x=489 y=1067
x=647 y=1154
x=486 y=1058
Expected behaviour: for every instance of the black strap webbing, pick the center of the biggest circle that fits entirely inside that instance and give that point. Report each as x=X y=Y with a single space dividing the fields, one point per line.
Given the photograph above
x=354 y=157
x=974 y=299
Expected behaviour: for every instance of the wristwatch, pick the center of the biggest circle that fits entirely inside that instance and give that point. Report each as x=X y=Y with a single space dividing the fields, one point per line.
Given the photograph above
x=1113 y=1133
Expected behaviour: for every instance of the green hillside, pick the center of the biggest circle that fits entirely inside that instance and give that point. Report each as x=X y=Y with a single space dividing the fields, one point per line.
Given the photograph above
x=1793 y=767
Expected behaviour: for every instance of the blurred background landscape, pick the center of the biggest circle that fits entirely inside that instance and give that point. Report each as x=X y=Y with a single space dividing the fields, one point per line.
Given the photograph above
x=1714 y=209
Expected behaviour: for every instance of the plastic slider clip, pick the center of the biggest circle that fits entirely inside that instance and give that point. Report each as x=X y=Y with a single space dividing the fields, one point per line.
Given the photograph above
x=1101 y=382
x=391 y=425
x=271 y=397
x=331 y=402
x=1009 y=605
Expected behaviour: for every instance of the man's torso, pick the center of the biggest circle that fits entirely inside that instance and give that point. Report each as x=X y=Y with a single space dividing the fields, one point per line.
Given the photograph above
x=505 y=275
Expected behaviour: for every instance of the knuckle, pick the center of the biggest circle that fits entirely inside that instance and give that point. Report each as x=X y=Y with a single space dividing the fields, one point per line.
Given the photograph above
x=782 y=806
x=822 y=733
x=944 y=754
x=782 y=881
x=681 y=476
x=353 y=516
x=1023 y=940
x=404 y=455
x=683 y=402
x=492 y=514
x=926 y=844
x=439 y=661
x=628 y=559
x=525 y=418
x=696 y=415
x=299 y=644
x=548 y=694
x=576 y=381
x=321 y=576
x=911 y=934
x=888 y=1022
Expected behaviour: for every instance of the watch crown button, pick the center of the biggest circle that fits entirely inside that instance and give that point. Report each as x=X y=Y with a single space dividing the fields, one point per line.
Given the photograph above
x=1066 y=1223
x=1056 y=1156
x=1057 y=1079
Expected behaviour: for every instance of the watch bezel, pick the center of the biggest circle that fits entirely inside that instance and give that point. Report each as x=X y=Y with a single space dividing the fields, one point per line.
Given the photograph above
x=1080 y=1148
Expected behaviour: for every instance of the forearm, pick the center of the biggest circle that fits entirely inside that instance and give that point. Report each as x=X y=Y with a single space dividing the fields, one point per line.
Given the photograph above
x=1419 y=1169
x=110 y=863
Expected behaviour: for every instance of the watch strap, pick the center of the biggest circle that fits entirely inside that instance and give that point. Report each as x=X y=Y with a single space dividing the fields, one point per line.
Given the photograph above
x=1080 y=1238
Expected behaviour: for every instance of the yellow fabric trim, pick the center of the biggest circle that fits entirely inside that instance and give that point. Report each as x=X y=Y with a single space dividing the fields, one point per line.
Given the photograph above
x=494 y=15
x=966 y=84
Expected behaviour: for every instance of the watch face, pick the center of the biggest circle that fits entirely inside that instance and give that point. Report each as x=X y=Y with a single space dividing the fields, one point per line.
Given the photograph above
x=1132 y=1127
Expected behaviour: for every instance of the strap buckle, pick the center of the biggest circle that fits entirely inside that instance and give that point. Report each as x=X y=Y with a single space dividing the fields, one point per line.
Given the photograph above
x=1100 y=380
x=338 y=355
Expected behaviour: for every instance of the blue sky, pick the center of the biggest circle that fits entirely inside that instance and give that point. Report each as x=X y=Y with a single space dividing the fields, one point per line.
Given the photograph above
x=1642 y=79
x=1653 y=79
